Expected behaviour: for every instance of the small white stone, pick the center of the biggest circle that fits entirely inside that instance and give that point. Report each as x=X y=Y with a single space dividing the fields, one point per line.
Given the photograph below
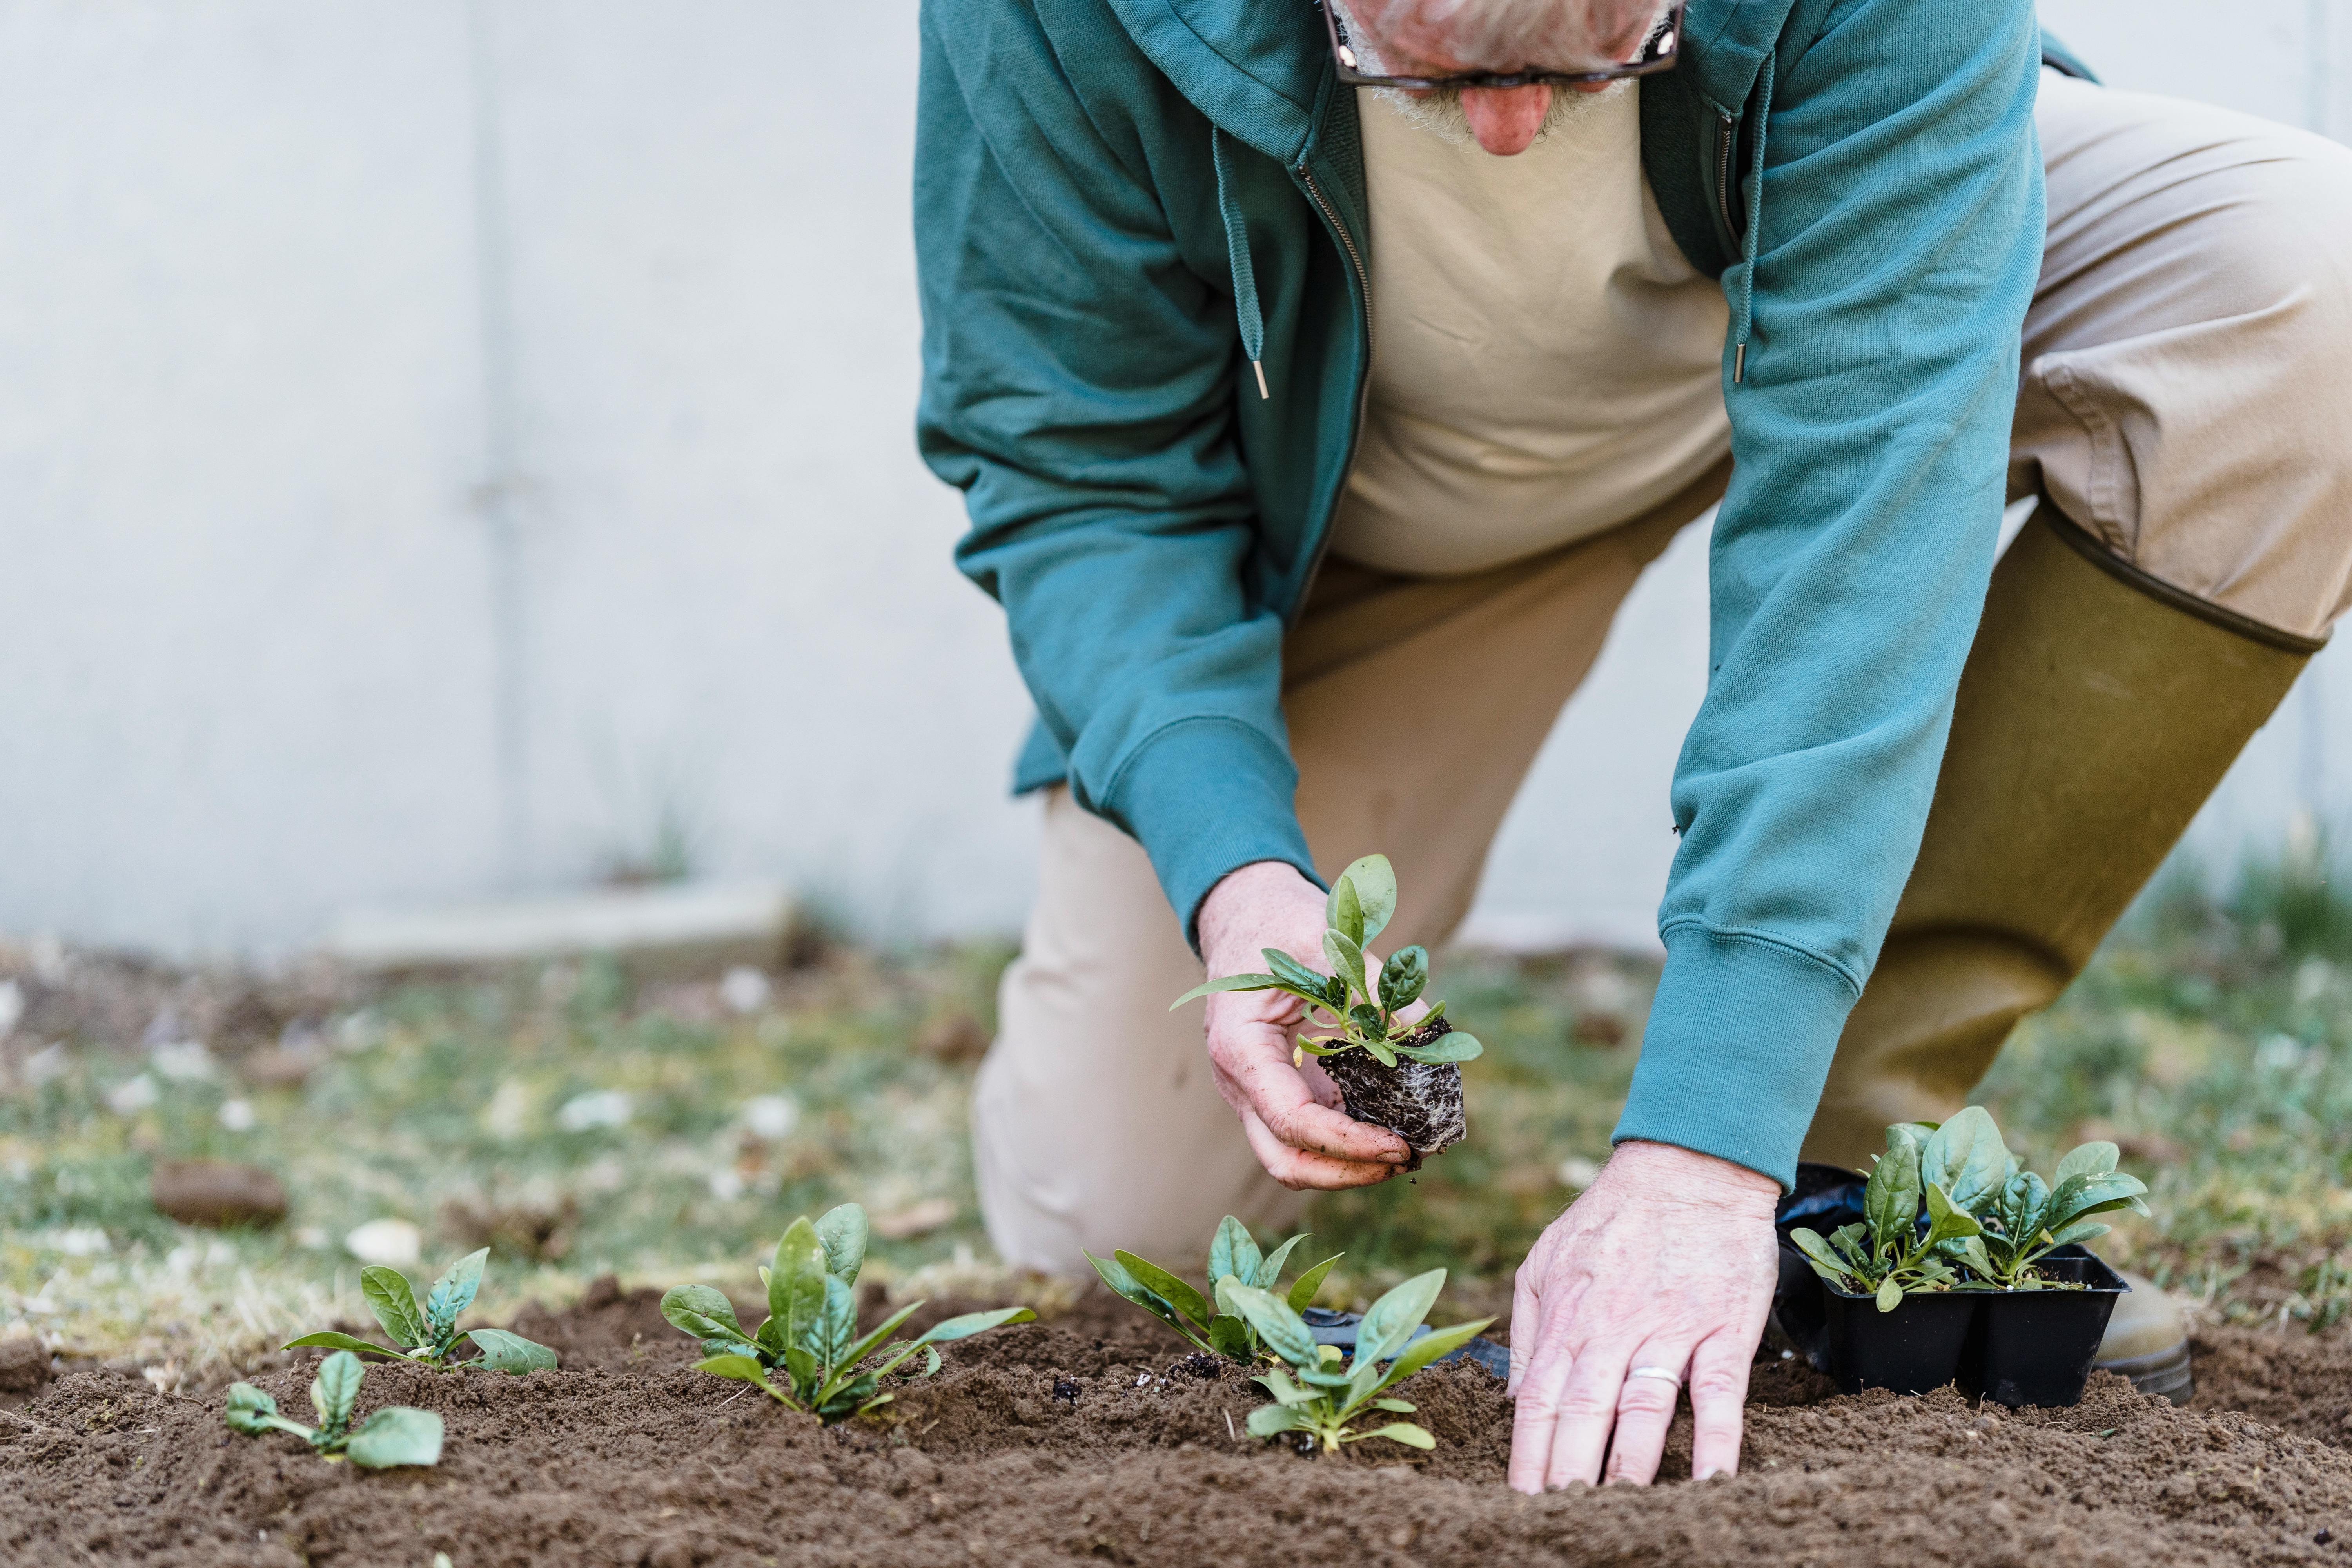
x=394 y=1243
x=597 y=1107
x=769 y=1117
x=744 y=990
x=81 y=1241
x=182 y=1061
x=1578 y=1172
x=726 y=1186
x=131 y=1098
x=236 y=1115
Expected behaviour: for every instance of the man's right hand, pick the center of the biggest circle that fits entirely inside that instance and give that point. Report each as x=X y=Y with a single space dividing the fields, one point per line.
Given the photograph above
x=1292 y=1115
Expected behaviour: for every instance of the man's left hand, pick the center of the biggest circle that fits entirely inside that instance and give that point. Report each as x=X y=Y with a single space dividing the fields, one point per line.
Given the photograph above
x=1667 y=1263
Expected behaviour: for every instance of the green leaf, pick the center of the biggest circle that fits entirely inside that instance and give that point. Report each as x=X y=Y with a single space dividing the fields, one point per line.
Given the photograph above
x=1435 y=1345
x=702 y=1312
x=1403 y=977
x=842 y=1232
x=836 y=1326
x=1312 y=982
x=252 y=1412
x=889 y=1325
x=1404 y=1431
x=1376 y=893
x=1347 y=959
x=1278 y=1383
x=1229 y=983
x=336 y=1385
x=1399 y=1407
x=1228 y=1248
x=327 y=1338
x=1272 y=1420
x=1178 y=1294
x=805 y=1370
x=454 y=1292
x=1852 y=1243
x=1302 y=1290
x=1456 y=1046
x=1381 y=1053
x=2087 y=1160
x=1392 y=1318
x=1269 y=1268
x=1343 y=911
x=387 y=1296
x=797 y=1282
x=1947 y=1220
x=1826 y=1263
x=771 y=1338
x=1230 y=1337
x=973 y=1323
x=1971 y=1251
x=1967 y=1158
x=743 y=1369
x=1890 y=1199
x=2081 y=1230
x=503 y=1352
x=1890 y=1294
x=1284 y=1332
x=397 y=1435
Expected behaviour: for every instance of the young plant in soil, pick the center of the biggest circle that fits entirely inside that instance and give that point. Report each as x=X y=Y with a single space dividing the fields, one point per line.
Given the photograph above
x=2023 y=1218
x=1401 y=1075
x=429 y=1335
x=395 y=1435
x=1887 y=1254
x=806 y=1354
x=1233 y=1260
x=1335 y=1394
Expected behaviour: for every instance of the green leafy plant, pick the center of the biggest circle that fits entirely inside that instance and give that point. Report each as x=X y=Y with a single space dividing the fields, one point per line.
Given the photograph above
x=395 y=1435
x=429 y=1334
x=2024 y=1218
x=809 y=1337
x=1329 y=1392
x=1233 y=1260
x=1363 y=1012
x=1887 y=1254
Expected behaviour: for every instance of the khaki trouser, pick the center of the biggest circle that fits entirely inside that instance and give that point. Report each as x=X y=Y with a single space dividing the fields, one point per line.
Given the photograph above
x=2182 y=398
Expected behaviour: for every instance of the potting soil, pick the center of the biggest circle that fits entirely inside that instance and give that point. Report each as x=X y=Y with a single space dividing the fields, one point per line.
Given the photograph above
x=1093 y=1437
x=1420 y=1102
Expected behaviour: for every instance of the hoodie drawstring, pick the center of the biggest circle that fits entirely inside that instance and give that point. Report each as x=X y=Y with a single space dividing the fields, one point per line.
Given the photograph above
x=1245 y=307
x=1755 y=224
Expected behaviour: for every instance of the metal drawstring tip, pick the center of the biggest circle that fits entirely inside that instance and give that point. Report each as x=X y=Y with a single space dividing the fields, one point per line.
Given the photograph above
x=1739 y=362
x=1262 y=392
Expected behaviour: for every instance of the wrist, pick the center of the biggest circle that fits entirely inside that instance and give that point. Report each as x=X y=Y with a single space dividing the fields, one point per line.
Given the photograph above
x=1669 y=1169
x=1237 y=917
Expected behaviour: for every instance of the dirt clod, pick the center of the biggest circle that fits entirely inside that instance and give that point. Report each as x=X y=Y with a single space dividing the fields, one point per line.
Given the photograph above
x=216 y=1193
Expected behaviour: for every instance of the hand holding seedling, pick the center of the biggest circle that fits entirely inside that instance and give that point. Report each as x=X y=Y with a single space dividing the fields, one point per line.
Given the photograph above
x=1290 y=1113
x=1668 y=1261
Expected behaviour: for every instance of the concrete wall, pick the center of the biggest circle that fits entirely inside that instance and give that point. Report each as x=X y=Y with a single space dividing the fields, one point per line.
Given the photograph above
x=443 y=443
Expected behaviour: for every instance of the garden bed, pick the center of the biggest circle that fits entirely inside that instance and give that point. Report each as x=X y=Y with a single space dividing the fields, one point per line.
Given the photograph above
x=1094 y=1437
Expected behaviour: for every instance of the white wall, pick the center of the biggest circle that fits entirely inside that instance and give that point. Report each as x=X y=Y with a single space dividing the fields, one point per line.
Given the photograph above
x=440 y=440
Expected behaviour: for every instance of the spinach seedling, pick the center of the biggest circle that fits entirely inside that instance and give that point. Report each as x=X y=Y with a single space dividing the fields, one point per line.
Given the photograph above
x=1363 y=1012
x=1887 y=1254
x=395 y=1435
x=1233 y=1260
x=430 y=1335
x=2024 y=1218
x=1334 y=1394
x=811 y=1333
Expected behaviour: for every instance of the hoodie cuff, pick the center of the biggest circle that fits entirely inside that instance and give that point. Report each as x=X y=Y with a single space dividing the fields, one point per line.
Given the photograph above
x=1205 y=797
x=1737 y=1048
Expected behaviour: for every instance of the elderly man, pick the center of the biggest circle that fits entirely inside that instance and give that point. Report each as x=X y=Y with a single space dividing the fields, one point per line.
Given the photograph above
x=1320 y=385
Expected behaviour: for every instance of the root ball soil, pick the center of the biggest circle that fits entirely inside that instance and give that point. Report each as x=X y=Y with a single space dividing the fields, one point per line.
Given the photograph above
x=1092 y=1438
x=1420 y=1102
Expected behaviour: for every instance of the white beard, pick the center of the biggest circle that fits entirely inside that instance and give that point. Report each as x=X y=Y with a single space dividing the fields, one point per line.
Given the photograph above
x=1440 y=113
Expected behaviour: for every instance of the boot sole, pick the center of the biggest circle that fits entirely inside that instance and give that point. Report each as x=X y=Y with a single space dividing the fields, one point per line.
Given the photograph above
x=2164 y=1372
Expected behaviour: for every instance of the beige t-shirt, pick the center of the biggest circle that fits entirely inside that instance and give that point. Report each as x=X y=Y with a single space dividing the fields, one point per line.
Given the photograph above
x=1545 y=364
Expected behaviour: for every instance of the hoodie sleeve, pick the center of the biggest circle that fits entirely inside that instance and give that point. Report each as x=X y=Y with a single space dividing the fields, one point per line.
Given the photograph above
x=1898 y=229
x=1078 y=377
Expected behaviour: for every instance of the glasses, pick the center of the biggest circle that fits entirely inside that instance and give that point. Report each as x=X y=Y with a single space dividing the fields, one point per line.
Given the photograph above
x=1659 y=53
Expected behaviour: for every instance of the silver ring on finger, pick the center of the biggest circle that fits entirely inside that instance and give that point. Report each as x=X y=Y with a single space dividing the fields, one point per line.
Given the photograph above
x=1667 y=1372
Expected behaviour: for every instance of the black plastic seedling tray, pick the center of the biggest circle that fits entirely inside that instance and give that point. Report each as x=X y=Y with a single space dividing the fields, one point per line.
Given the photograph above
x=2014 y=1347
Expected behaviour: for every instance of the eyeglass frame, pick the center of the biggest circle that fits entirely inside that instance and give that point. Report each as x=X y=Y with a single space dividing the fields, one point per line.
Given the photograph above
x=1669 y=30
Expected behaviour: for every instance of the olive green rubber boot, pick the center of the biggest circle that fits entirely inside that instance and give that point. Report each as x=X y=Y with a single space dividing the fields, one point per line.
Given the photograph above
x=2098 y=709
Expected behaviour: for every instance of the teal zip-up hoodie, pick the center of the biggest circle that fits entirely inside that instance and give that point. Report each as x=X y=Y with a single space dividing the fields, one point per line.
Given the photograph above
x=1128 y=210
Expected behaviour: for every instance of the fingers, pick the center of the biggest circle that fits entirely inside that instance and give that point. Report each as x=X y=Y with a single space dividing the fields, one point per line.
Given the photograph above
x=1319 y=1085
x=1298 y=1168
x=1267 y=1084
x=1535 y=1416
x=1645 y=1409
x=1527 y=1313
x=1718 y=1388
x=1587 y=1409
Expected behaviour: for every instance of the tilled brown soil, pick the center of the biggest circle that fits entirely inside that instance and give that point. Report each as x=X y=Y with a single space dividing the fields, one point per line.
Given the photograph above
x=1091 y=1437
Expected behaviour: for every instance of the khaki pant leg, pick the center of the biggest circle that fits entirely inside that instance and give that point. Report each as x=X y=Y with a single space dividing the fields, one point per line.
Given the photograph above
x=1415 y=708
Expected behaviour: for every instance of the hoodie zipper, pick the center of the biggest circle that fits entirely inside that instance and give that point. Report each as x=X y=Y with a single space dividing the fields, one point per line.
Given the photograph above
x=1727 y=138
x=1363 y=391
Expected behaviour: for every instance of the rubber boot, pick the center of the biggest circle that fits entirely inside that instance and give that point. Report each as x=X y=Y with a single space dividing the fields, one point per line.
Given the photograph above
x=2098 y=709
